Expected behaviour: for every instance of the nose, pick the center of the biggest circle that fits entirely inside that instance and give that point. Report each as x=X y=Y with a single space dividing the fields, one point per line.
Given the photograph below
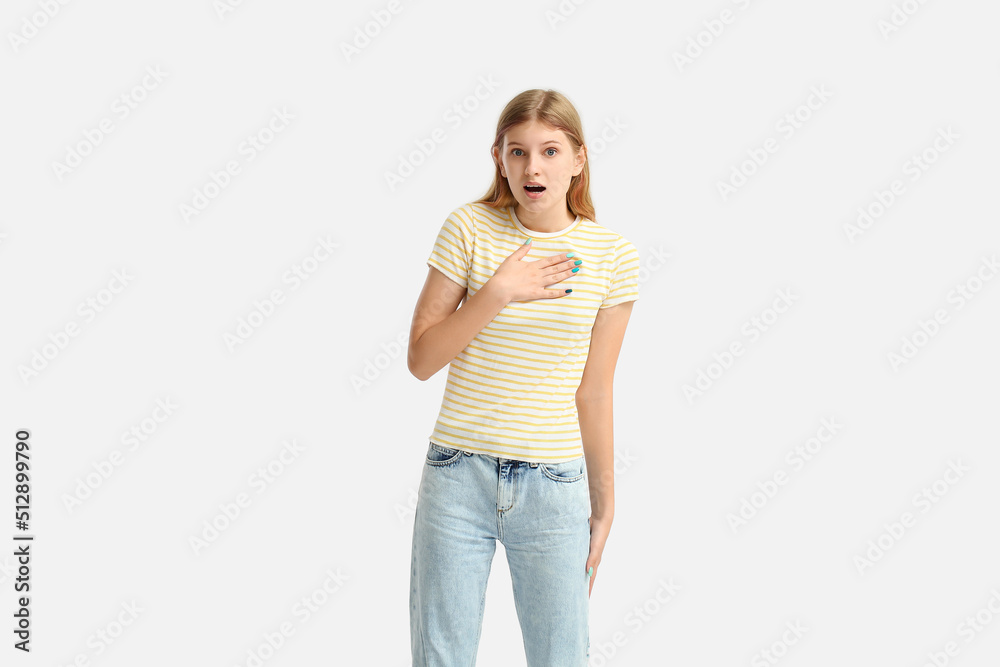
x=531 y=168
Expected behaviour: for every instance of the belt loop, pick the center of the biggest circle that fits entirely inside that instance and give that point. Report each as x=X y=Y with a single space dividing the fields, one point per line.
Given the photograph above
x=533 y=464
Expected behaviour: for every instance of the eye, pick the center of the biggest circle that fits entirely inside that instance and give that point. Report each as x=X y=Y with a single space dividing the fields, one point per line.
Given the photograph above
x=515 y=152
x=550 y=149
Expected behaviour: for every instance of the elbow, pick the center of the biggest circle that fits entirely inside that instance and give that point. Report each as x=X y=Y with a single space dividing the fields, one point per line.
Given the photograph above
x=417 y=363
x=592 y=404
x=593 y=394
x=411 y=360
x=415 y=369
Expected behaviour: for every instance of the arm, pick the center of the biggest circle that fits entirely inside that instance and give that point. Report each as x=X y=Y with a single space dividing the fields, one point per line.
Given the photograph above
x=439 y=332
x=594 y=406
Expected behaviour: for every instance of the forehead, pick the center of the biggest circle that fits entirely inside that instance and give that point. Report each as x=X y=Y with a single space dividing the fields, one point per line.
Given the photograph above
x=534 y=133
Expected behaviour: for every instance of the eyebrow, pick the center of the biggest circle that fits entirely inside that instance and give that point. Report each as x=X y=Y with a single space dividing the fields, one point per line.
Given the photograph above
x=550 y=141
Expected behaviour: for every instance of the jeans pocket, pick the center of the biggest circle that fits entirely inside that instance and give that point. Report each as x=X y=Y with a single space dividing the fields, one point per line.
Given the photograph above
x=567 y=471
x=439 y=455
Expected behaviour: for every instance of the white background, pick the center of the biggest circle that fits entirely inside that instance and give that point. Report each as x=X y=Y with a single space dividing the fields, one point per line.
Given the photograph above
x=326 y=369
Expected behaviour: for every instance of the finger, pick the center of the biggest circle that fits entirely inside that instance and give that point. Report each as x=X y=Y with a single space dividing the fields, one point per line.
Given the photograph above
x=557 y=258
x=522 y=249
x=556 y=273
x=572 y=271
x=590 y=520
x=559 y=276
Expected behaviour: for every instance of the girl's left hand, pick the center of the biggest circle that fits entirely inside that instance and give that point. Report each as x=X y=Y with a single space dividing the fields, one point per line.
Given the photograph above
x=599 y=530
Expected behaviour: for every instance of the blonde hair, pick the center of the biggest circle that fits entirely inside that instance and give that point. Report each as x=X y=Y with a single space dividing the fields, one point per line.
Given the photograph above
x=554 y=110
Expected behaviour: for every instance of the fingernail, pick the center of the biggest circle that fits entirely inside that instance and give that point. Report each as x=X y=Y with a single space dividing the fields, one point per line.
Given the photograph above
x=590 y=572
x=528 y=241
x=575 y=270
x=570 y=254
x=568 y=291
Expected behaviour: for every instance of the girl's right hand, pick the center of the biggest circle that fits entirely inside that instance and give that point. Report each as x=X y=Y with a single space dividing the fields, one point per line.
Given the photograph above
x=526 y=281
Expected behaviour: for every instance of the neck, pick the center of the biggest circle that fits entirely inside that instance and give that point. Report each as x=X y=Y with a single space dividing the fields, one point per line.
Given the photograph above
x=545 y=222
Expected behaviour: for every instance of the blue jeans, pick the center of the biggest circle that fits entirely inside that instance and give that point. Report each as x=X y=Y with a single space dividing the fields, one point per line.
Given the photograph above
x=540 y=512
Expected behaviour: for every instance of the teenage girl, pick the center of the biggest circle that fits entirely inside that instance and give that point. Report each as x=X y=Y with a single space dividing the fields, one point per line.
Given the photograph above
x=522 y=450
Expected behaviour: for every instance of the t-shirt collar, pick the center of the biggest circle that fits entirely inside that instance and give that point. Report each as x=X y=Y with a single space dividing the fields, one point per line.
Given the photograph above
x=540 y=235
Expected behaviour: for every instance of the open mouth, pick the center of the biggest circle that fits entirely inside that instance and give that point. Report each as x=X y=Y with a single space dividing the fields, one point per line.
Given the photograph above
x=535 y=189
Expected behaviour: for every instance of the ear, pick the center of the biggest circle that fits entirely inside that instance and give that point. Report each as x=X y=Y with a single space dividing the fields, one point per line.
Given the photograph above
x=498 y=161
x=581 y=159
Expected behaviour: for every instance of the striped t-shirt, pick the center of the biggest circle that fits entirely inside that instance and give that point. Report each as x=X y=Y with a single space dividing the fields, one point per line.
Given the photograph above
x=511 y=393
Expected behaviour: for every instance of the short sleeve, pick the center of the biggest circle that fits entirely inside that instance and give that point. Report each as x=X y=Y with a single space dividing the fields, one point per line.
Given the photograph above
x=625 y=275
x=452 y=252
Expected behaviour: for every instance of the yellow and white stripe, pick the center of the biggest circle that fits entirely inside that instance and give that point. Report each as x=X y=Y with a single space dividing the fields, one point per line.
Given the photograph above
x=511 y=392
